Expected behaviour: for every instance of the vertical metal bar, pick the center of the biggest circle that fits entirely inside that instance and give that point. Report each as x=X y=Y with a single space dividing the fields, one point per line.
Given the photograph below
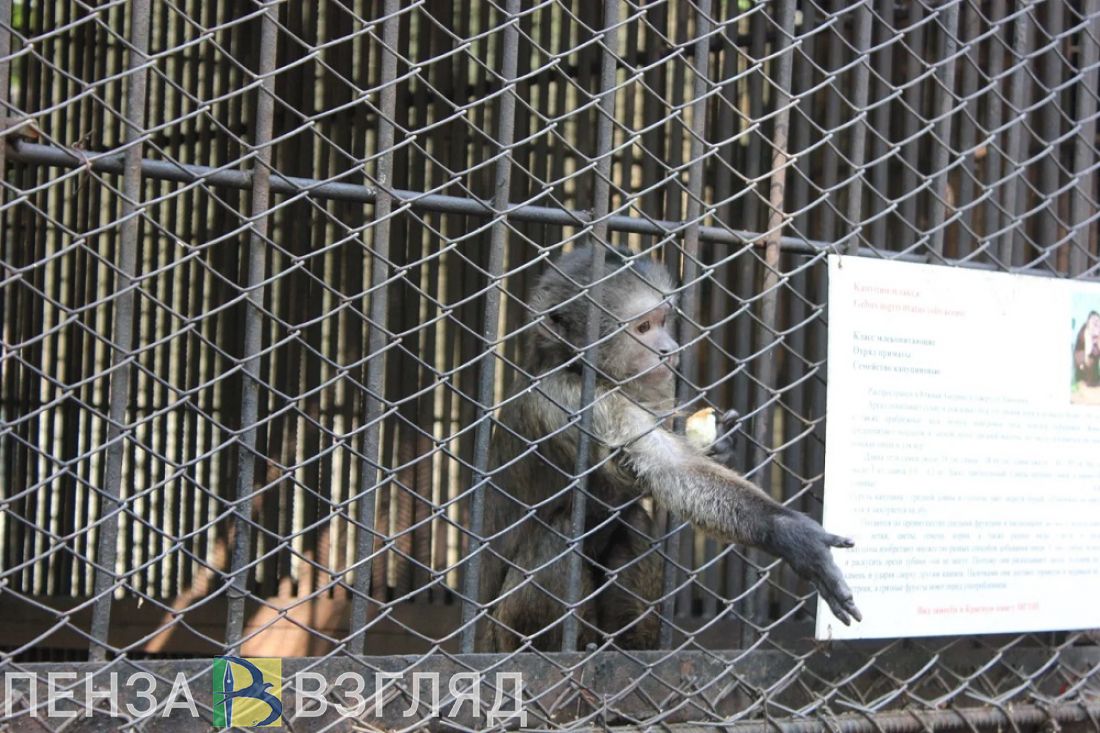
x=829 y=52
x=769 y=286
x=487 y=368
x=857 y=153
x=376 y=341
x=1084 y=150
x=831 y=49
x=5 y=81
x=997 y=55
x=8 y=371
x=1049 y=129
x=740 y=279
x=599 y=238
x=5 y=252
x=688 y=392
x=880 y=175
x=121 y=332
x=720 y=368
x=1023 y=29
x=797 y=424
x=942 y=101
x=914 y=39
x=752 y=207
x=678 y=540
x=241 y=524
x=970 y=28
x=653 y=139
x=443 y=78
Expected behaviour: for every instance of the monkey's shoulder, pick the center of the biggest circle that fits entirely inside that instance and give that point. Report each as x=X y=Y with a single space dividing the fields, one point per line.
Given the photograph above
x=542 y=408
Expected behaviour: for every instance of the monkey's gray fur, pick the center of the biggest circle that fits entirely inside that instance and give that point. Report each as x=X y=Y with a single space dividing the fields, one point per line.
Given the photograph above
x=528 y=502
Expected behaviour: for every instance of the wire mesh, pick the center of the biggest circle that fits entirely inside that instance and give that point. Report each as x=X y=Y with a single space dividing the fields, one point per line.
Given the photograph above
x=267 y=277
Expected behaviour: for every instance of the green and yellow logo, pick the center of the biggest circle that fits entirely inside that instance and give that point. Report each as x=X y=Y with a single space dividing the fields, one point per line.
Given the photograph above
x=248 y=692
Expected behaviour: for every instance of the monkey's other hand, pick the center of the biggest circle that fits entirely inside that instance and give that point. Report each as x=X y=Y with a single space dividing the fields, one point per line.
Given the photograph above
x=805 y=545
x=722 y=449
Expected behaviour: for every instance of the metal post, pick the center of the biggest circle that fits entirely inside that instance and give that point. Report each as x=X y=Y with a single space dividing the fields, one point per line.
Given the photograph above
x=487 y=374
x=121 y=332
x=599 y=237
x=860 y=90
x=1082 y=211
x=770 y=285
x=164 y=170
x=942 y=101
x=241 y=523
x=687 y=390
x=1023 y=29
x=992 y=214
x=379 y=272
x=1047 y=121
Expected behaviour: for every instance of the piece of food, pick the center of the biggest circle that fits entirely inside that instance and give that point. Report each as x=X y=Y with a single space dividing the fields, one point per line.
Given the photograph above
x=701 y=428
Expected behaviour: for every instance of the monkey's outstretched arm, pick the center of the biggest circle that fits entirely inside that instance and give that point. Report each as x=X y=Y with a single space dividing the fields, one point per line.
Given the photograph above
x=723 y=503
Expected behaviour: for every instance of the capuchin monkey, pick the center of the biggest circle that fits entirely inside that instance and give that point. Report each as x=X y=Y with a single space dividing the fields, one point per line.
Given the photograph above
x=1086 y=351
x=529 y=498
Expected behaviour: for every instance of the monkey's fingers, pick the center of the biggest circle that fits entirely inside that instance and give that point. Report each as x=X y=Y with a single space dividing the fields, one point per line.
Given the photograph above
x=728 y=417
x=835 y=540
x=835 y=606
x=838 y=596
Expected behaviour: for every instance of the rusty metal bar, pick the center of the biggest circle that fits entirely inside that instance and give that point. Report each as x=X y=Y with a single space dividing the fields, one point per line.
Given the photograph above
x=1082 y=209
x=487 y=369
x=777 y=220
x=1023 y=31
x=377 y=337
x=998 y=55
x=599 y=239
x=911 y=120
x=259 y=224
x=911 y=721
x=111 y=162
x=942 y=101
x=122 y=333
x=858 y=152
x=688 y=392
x=1046 y=124
x=880 y=173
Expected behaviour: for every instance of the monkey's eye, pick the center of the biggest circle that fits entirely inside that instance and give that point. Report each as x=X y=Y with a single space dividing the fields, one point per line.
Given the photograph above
x=644 y=326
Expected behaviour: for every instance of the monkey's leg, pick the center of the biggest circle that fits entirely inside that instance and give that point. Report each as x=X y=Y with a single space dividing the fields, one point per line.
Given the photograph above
x=535 y=587
x=628 y=608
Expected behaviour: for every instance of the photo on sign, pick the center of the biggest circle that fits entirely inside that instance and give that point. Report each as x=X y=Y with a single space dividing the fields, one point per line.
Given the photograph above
x=1085 y=383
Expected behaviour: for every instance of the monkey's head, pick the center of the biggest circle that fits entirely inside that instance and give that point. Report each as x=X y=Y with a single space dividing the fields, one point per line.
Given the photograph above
x=1093 y=323
x=1093 y=326
x=636 y=305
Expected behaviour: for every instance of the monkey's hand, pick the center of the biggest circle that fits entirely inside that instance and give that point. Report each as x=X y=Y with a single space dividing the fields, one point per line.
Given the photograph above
x=722 y=448
x=805 y=544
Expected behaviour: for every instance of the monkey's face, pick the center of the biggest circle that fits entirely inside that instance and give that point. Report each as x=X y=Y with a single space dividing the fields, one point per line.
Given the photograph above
x=644 y=353
x=1092 y=335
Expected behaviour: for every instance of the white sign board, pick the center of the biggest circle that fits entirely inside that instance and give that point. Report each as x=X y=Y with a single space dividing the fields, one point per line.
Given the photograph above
x=962 y=449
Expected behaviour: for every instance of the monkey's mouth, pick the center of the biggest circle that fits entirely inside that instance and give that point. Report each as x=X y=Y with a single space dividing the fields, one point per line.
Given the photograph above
x=663 y=372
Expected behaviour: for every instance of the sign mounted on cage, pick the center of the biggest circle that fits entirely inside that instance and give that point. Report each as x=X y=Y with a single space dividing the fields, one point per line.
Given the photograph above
x=963 y=449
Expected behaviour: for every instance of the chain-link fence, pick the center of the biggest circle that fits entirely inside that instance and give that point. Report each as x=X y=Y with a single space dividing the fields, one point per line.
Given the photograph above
x=266 y=293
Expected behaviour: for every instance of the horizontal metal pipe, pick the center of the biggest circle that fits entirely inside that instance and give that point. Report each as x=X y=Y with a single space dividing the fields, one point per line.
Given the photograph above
x=911 y=721
x=51 y=155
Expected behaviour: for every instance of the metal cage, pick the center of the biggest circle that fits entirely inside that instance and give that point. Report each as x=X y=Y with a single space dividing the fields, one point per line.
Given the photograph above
x=265 y=279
